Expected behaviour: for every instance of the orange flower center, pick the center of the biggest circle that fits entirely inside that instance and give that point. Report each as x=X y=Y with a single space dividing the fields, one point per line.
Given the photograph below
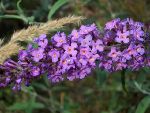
x=83 y=51
x=114 y=54
x=60 y=40
x=54 y=55
x=69 y=49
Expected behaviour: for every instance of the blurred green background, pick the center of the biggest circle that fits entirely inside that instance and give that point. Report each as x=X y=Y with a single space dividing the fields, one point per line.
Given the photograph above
x=101 y=92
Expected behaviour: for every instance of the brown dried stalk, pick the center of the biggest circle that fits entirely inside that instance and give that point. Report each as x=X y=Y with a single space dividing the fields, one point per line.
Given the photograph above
x=12 y=47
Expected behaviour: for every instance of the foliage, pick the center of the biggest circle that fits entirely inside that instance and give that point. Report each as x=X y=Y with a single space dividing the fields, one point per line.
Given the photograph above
x=143 y=105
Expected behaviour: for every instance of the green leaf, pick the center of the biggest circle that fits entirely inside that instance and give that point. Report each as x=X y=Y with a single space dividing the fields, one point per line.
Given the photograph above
x=20 y=11
x=143 y=105
x=2 y=7
x=38 y=105
x=55 y=7
x=13 y=17
x=18 y=106
x=23 y=18
x=27 y=106
x=139 y=87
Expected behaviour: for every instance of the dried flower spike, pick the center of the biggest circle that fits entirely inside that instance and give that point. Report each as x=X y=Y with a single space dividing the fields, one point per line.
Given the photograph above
x=12 y=47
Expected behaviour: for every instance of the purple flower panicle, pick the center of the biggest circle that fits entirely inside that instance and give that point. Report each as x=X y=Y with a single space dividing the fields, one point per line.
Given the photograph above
x=125 y=42
x=71 y=57
x=122 y=45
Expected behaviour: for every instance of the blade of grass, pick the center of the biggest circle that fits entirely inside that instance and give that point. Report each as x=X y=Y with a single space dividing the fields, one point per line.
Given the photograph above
x=55 y=7
x=139 y=87
x=20 y=11
x=14 y=17
x=143 y=105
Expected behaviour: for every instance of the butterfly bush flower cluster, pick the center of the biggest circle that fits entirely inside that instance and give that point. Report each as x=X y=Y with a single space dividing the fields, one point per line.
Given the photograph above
x=62 y=57
x=125 y=41
x=123 y=44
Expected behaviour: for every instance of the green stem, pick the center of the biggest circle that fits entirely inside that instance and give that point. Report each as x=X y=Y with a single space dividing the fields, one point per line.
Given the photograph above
x=123 y=80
